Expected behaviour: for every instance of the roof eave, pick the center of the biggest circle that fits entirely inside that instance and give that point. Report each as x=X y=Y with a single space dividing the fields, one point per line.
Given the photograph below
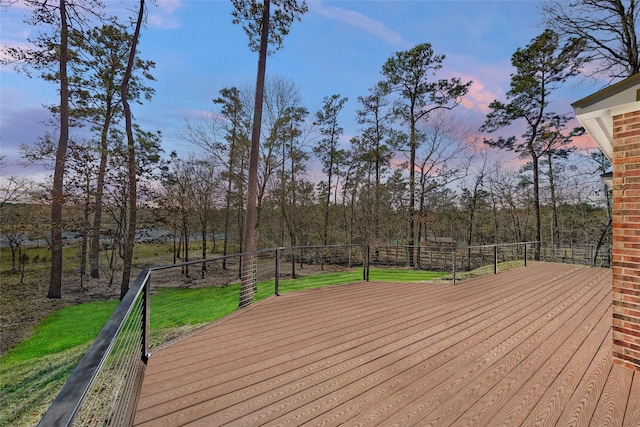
x=595 y=112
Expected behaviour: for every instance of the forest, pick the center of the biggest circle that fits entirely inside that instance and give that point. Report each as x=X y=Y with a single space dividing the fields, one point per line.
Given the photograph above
x=263 y=161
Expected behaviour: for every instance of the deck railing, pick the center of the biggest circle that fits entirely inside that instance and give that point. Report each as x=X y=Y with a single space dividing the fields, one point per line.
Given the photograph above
x=170 y=302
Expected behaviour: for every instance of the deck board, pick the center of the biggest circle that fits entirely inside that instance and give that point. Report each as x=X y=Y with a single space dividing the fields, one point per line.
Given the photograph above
x=529 y=346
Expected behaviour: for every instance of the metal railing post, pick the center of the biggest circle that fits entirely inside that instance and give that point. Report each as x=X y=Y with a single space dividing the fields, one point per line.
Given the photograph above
x=146 y=320
x=454 y=266
x=495 y=259
x=277 y=278
x=525 y=254
x=365 y=270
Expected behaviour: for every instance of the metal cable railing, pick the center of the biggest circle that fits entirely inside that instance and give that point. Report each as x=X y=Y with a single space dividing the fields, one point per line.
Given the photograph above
x=110 y=371
x=182 y=298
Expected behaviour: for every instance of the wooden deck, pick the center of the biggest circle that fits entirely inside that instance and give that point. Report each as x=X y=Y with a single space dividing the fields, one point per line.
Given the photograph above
x=527 y=347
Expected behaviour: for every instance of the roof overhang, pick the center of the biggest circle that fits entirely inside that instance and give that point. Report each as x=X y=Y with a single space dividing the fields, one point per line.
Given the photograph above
x=596 y=111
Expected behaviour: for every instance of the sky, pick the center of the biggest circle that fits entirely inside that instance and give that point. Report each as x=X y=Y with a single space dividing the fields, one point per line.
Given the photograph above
x=338 y=47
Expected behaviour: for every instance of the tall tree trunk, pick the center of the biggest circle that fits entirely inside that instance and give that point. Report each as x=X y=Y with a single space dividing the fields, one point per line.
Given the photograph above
x=129 y=241
x=227 y=215
x=421 y=215
x=185 y=239
x=227 y=212
x=203 y=268
x=536 y=204
x=94 y=252
x=248 y=278
x=376 y=206
x=412 y=192
x=85 y=232
x=327 y=202
x=555 y=232
x=283 y=189
x=57 y=195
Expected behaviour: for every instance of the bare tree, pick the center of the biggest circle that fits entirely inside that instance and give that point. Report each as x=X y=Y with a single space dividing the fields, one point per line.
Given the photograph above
x=442 y=156
x=225 y=137
x=13 y=189
x=608 y=27
x=203 y=191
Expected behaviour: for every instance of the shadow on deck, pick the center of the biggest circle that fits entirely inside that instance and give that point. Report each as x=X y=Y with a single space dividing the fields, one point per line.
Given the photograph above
x=530 y=346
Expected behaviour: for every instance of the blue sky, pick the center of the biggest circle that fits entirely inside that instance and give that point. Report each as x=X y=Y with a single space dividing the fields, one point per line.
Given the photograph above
x=339 y=47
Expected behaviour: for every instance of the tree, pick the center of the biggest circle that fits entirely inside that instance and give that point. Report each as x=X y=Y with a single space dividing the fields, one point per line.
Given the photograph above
x=282 y=120
x=293 y=161
x=510 y=200
x=556 y=146
x=51 y=54
x=80 y=174
x=99 y=69
x=263 y=31
x=442 y=157
x=225 y=137
x=408 y=74
x=13 y=189
x=602 y=165
x=203 y=194
x=57 y=197
x=541 y=67
x=180 y=198
x=374 y=148
x=608 y=29
x=16 y=220
x=327 y=149
x=131 y=160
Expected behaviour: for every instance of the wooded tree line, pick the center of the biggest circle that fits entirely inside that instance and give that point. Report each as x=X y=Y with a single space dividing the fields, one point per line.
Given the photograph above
x=413 y=173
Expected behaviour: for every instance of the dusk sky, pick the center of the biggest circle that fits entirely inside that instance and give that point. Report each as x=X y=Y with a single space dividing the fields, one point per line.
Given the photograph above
x=339 y=47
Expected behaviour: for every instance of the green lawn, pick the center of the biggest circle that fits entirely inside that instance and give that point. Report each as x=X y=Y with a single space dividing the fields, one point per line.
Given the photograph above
x=64 y=329
x=32 y=373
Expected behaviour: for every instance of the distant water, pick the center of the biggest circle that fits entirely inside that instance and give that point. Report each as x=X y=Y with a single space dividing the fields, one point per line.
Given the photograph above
x=145 y=235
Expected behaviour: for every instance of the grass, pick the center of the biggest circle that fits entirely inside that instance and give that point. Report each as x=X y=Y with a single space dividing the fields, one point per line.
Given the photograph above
x=32 y=373
x=65 y=329
x=27 y=387
x=395 y=275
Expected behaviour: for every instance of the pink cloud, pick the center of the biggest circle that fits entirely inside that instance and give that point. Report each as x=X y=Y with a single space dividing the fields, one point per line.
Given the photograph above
x=479 y=98
x=490 y=82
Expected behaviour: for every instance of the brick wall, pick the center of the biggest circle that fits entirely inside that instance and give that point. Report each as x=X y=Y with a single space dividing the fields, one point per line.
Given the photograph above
x=626 y=240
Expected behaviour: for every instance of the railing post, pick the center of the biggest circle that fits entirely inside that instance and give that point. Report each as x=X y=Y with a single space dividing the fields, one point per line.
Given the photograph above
x=365 y=269
x=454 y=266
x=146 y=319
x=495 y=259
x=277 y=278
x=525 y=254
